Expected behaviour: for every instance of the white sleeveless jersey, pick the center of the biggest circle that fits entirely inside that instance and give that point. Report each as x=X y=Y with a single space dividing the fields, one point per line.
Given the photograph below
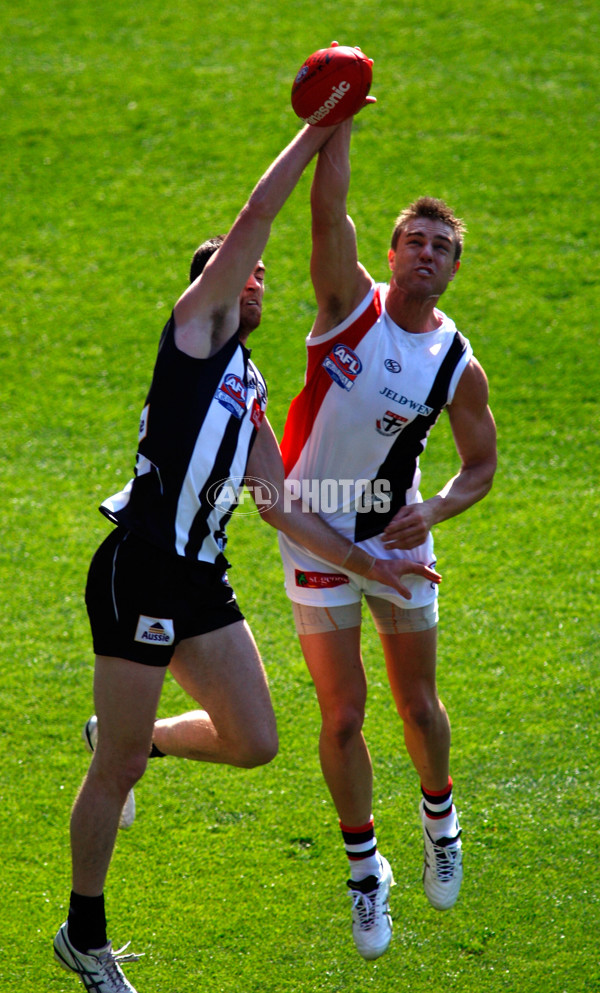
x=372 y=393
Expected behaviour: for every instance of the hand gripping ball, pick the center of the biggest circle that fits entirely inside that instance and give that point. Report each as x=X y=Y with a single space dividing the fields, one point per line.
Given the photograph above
x=331 y=85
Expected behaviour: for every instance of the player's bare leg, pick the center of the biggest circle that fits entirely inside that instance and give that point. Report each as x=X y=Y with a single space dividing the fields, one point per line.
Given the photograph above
x=334 y=662
x=223 y=672
x=411 y=664
x=126 y=698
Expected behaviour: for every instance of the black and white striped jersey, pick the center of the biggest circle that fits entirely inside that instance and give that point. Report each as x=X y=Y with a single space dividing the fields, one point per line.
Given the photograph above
x=196 y=431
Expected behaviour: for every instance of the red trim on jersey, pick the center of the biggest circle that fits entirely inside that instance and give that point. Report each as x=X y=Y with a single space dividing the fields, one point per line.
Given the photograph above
x=305 y=407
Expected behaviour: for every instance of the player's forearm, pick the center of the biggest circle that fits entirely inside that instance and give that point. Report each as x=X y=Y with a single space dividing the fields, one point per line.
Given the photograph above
x=291 y=516
x=331 y=180
x=274 y=187
x=309 y=530
x=462 y=491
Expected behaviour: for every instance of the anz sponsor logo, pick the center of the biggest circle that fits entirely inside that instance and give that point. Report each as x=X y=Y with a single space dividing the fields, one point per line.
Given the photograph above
x=343 y=365
x=231 y=394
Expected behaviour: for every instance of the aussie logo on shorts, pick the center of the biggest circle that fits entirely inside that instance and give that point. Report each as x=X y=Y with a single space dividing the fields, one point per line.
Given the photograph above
x=155 y=631
x=231 y=394
x=319 y=580
x=343 y=365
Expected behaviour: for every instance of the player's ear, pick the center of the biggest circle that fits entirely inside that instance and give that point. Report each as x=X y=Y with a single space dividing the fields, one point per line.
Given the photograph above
x=455 y=269
x=391 y=257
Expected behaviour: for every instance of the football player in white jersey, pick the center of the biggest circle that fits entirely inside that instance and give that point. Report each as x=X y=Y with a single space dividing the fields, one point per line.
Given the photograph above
x=334 y=418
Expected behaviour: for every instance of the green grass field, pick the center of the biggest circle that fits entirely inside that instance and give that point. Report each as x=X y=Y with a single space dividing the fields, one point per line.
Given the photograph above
x=130 y=133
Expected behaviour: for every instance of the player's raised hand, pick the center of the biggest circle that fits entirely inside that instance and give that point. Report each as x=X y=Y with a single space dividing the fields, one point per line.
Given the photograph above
x=332 y=85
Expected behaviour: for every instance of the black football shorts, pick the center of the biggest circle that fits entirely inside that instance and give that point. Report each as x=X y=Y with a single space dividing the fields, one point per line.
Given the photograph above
x=142 y=601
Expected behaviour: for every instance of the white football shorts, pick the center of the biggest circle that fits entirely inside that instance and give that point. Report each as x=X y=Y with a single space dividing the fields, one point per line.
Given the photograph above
x=313 y=581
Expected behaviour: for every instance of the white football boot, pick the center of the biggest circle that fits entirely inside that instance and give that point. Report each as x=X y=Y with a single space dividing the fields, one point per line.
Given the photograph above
x=371 y=920
x=98 y=969
x=442 y=867
x=90 y=739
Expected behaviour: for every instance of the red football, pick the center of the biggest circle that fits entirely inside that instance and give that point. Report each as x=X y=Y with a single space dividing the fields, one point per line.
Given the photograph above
x=331 y=85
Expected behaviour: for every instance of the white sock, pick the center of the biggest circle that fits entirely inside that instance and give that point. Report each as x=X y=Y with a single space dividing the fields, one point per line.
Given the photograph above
x=370 y=866
x=445 y=827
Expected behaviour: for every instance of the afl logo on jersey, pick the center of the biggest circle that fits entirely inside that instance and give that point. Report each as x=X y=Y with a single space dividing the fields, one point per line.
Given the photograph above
x=392 y=365
x=232 y=395
x=343 y=365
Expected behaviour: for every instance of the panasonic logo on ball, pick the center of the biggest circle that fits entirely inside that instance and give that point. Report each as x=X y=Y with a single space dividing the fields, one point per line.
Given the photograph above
x=337 y=94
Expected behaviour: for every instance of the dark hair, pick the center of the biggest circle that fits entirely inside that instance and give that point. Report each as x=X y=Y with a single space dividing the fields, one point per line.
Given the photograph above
x=203 y=253
x=437 y=210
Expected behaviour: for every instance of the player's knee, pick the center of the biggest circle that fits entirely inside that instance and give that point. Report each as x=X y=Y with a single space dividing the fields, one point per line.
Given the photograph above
x=342 y=723
x=259 y=748
x=118 y=772
x=130 y=771
x=421 y=713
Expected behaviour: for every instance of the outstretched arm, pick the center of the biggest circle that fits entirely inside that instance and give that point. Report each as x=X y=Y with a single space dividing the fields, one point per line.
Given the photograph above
x=308 y=529
x=474 y=434
x=339 y=281
x=207 y=313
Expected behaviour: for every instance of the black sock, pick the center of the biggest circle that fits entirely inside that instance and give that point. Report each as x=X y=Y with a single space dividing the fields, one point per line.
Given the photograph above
x=87 y=922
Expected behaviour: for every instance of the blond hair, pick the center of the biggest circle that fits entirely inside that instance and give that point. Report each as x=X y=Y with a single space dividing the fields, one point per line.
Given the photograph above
x=436 y=210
